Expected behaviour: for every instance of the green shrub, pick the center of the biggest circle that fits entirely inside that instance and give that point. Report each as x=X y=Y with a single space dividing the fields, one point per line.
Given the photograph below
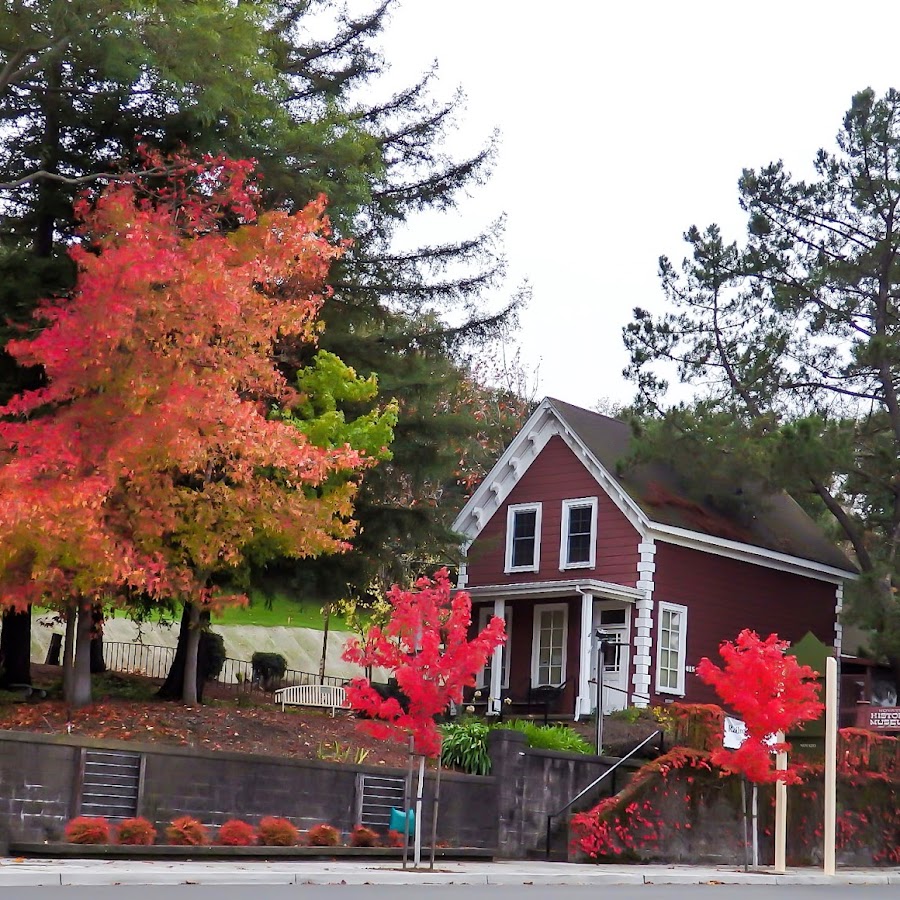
x=549 y=737
x=268 y=668
x=465 y=746
x=211 y=654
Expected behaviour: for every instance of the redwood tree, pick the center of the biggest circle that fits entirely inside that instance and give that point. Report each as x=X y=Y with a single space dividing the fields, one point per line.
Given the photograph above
x=150 y=462
x=425 y=645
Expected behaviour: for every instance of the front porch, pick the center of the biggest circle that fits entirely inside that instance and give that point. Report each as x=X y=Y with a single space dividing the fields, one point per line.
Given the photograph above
x=550 y=659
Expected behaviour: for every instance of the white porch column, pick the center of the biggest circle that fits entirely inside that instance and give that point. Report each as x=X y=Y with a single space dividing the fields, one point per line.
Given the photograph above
x=643 y=623
x=583 y=700
x=497 y=665
x=838 y=626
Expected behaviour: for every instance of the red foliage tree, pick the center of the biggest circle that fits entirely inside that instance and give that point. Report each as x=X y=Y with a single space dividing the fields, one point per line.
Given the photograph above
x=770 y=691
x=425 y=645
x=149 y=464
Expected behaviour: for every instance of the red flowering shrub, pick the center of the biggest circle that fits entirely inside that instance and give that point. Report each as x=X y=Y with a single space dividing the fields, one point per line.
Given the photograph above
x=323 y=836
x=135 y=833
x=235 y=833
x=275 y=832
x=426 y=646
x=88 y=830
x=363 y=837
x=186 y=831
x=771 y=692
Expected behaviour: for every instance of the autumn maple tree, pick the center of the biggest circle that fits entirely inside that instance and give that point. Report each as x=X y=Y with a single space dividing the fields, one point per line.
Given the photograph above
x=425 y=644
x=154 y=461
x=770 y=691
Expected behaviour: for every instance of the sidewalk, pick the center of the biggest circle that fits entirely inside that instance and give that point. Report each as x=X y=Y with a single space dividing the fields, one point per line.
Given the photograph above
x=38 y=872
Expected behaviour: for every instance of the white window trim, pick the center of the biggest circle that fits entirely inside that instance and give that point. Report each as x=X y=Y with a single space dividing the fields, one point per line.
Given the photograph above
x=485 y=614
x=536 y=639
x=510 y=519
x=662 y=607
x=567 y=505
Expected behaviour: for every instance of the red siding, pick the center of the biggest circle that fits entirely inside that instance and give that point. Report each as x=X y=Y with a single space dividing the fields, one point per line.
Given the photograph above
x=557 y=475
x=724 y=596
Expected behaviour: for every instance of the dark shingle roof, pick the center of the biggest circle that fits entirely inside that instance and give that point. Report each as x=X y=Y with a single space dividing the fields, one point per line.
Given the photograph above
x=776 y=521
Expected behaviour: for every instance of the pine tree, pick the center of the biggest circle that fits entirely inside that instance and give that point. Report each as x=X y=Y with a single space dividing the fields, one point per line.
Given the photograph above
x=795 y=337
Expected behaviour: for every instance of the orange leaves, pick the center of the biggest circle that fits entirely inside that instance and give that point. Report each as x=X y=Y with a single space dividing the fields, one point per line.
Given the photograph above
x=148 y=459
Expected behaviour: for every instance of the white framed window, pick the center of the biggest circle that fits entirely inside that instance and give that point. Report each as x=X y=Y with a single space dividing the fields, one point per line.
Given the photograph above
x=671 y=644
x=548 y=648
x=523 y=537
x=485 y=614
x=578 y=534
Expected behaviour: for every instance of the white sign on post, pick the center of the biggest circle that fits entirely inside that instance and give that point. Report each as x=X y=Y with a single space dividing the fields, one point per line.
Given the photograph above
x=734 y=734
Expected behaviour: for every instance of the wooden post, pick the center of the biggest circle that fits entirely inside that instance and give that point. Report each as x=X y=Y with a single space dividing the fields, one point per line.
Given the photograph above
x=780 y=811
x=417 y=848
x=831 y=723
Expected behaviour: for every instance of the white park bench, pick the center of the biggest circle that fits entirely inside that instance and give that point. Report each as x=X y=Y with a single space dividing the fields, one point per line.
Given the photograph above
x=327 y=696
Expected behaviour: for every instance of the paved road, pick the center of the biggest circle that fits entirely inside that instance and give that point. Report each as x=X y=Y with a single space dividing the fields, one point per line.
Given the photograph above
x=462 y=892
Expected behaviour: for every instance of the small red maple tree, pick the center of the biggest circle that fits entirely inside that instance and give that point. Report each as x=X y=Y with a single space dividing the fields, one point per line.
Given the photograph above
x=425 y=644
x=771 y=692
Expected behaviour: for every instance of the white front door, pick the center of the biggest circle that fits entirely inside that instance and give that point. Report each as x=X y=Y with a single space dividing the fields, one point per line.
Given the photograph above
x=614 y=618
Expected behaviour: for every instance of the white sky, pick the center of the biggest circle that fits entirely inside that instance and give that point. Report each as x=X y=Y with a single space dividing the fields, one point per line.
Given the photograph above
x=623 y=124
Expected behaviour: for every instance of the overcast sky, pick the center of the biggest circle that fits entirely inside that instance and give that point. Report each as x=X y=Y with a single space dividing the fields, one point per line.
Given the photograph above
x=623 y=124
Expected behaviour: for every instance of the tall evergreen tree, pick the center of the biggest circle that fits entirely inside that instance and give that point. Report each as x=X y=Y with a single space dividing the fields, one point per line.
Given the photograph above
x=795 y=336
x=285 y=82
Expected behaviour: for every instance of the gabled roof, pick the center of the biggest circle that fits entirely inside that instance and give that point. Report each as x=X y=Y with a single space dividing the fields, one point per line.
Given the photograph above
x=651 y=495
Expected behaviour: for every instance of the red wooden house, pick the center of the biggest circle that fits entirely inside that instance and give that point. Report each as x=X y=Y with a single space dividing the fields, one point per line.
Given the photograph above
x=562 y=546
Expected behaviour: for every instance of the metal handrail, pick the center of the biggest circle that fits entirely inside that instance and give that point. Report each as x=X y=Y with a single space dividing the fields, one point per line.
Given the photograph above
x=594 y=784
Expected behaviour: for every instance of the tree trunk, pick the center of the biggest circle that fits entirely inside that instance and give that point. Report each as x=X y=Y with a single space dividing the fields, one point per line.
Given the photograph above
x=190 y=693
x=69 y=654
x=98 y=663
x=15 y=648
x=173 y=688
x=81 y=681
x=327 y=611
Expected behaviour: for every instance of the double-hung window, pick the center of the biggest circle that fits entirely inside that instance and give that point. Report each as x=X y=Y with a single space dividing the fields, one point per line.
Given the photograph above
x=578 y=534
x=548 y=652
x=523 y=537
x=671 y=645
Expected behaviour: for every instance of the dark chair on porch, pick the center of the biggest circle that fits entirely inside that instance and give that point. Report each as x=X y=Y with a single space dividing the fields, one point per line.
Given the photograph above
x=545 y=698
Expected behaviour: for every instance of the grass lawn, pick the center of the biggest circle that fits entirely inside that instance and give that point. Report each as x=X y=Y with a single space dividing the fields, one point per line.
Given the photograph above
x=270 y=611
x=279 y=609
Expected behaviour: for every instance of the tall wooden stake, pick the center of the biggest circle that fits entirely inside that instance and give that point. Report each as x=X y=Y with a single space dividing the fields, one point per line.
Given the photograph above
x=434 y=812
x=831 y=723
x=780 y=811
